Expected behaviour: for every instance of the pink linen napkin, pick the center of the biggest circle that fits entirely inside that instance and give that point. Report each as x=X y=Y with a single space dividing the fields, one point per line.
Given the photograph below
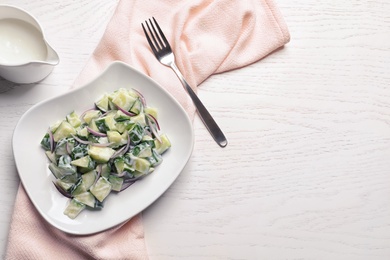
x=208 y=37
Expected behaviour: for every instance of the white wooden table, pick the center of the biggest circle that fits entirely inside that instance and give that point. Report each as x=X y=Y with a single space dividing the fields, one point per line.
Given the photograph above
x=306 y=174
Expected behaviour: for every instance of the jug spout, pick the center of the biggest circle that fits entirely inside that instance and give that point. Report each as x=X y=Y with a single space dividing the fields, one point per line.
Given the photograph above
x=52 y=56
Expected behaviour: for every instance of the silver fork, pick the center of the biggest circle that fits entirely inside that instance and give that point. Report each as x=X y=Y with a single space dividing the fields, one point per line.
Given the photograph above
x=163 y=52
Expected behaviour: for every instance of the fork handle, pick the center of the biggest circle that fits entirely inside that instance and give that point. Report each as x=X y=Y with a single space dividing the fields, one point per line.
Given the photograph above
x=203 y=113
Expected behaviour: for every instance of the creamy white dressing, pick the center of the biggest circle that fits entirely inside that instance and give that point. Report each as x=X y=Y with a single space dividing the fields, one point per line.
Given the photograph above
x=20 y=42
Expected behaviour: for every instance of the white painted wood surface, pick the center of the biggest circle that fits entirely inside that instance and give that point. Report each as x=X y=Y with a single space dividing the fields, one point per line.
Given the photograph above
x=306 y=174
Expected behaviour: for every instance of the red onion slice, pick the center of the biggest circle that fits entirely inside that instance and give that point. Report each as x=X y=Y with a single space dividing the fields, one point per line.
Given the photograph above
x=125 y=111
x=153 y=124
x=68 y=150
x=154 y=120
x=143 y=100
x=96 y=133
x=99 y=172
x=66 y=194
x=81 y=141
x=123 y=150
x=125 y=185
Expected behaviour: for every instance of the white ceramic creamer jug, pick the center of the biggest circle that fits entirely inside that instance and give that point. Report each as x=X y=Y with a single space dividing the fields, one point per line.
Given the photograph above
x=25 y=55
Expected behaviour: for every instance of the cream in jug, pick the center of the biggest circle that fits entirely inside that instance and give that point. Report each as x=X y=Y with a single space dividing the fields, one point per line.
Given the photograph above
x=20 y=42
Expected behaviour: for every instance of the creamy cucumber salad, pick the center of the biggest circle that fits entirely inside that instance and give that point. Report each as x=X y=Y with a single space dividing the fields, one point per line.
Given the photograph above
x=105 y=149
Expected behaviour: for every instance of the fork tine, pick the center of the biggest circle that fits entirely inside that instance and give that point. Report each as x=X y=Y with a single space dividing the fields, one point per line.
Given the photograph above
x=148 y=38
x=155 y=36
x=166 y=43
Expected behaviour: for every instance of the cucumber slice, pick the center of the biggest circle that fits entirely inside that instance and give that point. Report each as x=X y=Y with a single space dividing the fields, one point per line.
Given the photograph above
x=73 y=209
x=122 y=166
x=85 y=163
x=123 y=126
x=137 y=107
x=100 y=154
x=86 y=198
x=89 y=179
x=110 y=121
x=120 y=126
x=64 y=185
x=147 y=152
x=78 y=188
x=84 y=183
x=164 y=145
x=123 y=99
x=103 y=140
x=73 y=119
x=61 y=147
x=64 y=130
x=91 y=114
x=148 y=139
x=72 y=178
x=119 y=164
x=133 y=93
x=155 y=159
x=140 y=164
x=116 y=182
x=54 y=126
x=140 y=119
x=117 y=138
x=142 y=150
x=114 y=137
x=82 y=132
x=151 y=111
x=61 y=173
x=105 y=170
x=102 y=103
x=52 y=157
x=93 y=125
x=101 y=189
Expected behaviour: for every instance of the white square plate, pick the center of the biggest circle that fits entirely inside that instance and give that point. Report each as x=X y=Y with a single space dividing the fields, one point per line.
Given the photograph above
x=32 y=163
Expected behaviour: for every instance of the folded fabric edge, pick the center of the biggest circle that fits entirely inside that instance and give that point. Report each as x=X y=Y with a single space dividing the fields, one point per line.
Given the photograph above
x=277 y=14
